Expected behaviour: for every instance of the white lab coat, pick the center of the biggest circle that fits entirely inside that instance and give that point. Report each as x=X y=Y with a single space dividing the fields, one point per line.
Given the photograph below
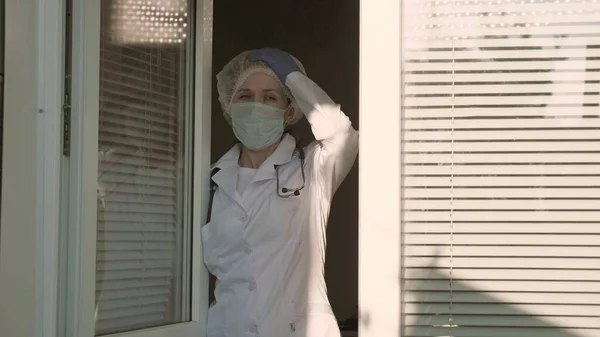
x=268 y=252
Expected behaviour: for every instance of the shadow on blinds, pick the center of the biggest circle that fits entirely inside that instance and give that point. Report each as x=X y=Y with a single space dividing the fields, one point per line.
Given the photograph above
x=436 y=304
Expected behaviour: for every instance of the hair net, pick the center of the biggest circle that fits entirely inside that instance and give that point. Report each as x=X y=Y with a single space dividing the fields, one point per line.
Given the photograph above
x=237 y=71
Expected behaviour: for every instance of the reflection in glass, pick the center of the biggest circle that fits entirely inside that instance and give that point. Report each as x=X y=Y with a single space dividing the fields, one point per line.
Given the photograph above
x=141 y=265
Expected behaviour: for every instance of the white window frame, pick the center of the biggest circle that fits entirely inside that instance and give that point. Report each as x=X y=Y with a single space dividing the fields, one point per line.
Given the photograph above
x=79 y=306
x=380 y=253
x=30 y=217
x=50 y=97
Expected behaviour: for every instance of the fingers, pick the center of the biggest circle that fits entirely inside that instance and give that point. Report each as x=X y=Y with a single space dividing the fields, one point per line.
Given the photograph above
x=265 y=53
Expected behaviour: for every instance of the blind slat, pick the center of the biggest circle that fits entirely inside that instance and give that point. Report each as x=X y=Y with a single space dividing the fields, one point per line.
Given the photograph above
x=507 y=239
x=507 y=147
x=506 y=332
x=147 y=262
x=116 y=285
x=503 y=227
x=145 y=294
x=566 y=124
x=508 y=297
x=136 y=312
x=520 y=215
x=458 y=91
x=560 y=322
x=133 y=274
x=137 y=217
x=133 y=255
x=492 y=181
x=515 y=67
x=503 y=205
x=460 y=274
x=417 y=42
x=503 y=262
x=140 y=130
x=517 y=16
x=530 y=250
x=487 y=135
x=495 y=7
x=506 y=286
x=502 y=192
x=463 y=30
x=466 y=55
x=148 y=246
x=499 y=112
x=109 y=178
x=500 y=310
x=525 y=100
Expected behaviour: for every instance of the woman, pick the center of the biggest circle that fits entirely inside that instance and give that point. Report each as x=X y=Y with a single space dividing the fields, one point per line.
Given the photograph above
x=265 y=242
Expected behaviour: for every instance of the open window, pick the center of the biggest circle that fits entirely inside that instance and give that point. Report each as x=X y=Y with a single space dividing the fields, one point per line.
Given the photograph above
x=137 y=160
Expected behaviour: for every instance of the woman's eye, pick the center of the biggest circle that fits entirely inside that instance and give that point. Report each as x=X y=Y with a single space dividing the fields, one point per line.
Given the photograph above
x=271 y=98
x=244 y=97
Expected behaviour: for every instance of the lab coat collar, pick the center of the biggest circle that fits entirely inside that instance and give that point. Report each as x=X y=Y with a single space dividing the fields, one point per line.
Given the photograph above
x=226 y=177
x=282 y=155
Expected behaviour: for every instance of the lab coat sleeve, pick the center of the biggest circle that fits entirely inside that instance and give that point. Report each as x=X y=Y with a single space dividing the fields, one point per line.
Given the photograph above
x=336 y=140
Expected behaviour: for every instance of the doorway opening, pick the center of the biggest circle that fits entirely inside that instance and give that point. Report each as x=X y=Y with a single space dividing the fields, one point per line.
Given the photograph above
x=324 y=36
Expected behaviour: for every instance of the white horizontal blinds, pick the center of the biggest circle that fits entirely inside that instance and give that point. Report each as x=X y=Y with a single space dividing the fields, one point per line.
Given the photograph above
x=501 y=153
x=139 y=266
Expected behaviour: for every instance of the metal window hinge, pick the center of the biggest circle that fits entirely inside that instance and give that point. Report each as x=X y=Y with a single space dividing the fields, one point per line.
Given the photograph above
x=66 y=126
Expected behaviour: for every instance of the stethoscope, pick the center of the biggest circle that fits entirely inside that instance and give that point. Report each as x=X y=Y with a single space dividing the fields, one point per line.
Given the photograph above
x=286 y=192
x=283 y=192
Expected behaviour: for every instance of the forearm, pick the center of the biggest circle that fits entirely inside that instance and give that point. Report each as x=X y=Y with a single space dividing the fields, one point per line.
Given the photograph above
x=337 y=139
x=325 y=117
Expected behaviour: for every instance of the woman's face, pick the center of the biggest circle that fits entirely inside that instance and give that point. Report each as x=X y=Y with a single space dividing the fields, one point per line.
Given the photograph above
x=262 y=88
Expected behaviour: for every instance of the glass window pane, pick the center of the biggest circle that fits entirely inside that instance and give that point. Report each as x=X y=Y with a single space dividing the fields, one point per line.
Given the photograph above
x=141 y=262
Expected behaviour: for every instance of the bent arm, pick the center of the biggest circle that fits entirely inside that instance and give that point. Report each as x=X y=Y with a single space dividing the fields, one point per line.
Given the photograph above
x=337 y=140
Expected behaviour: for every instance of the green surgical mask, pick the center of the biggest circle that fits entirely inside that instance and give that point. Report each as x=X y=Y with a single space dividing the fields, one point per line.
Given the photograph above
x=257 y=125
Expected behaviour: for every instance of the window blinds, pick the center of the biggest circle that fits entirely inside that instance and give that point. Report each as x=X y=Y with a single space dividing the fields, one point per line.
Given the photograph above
x=501 y=168
x=139 y=266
